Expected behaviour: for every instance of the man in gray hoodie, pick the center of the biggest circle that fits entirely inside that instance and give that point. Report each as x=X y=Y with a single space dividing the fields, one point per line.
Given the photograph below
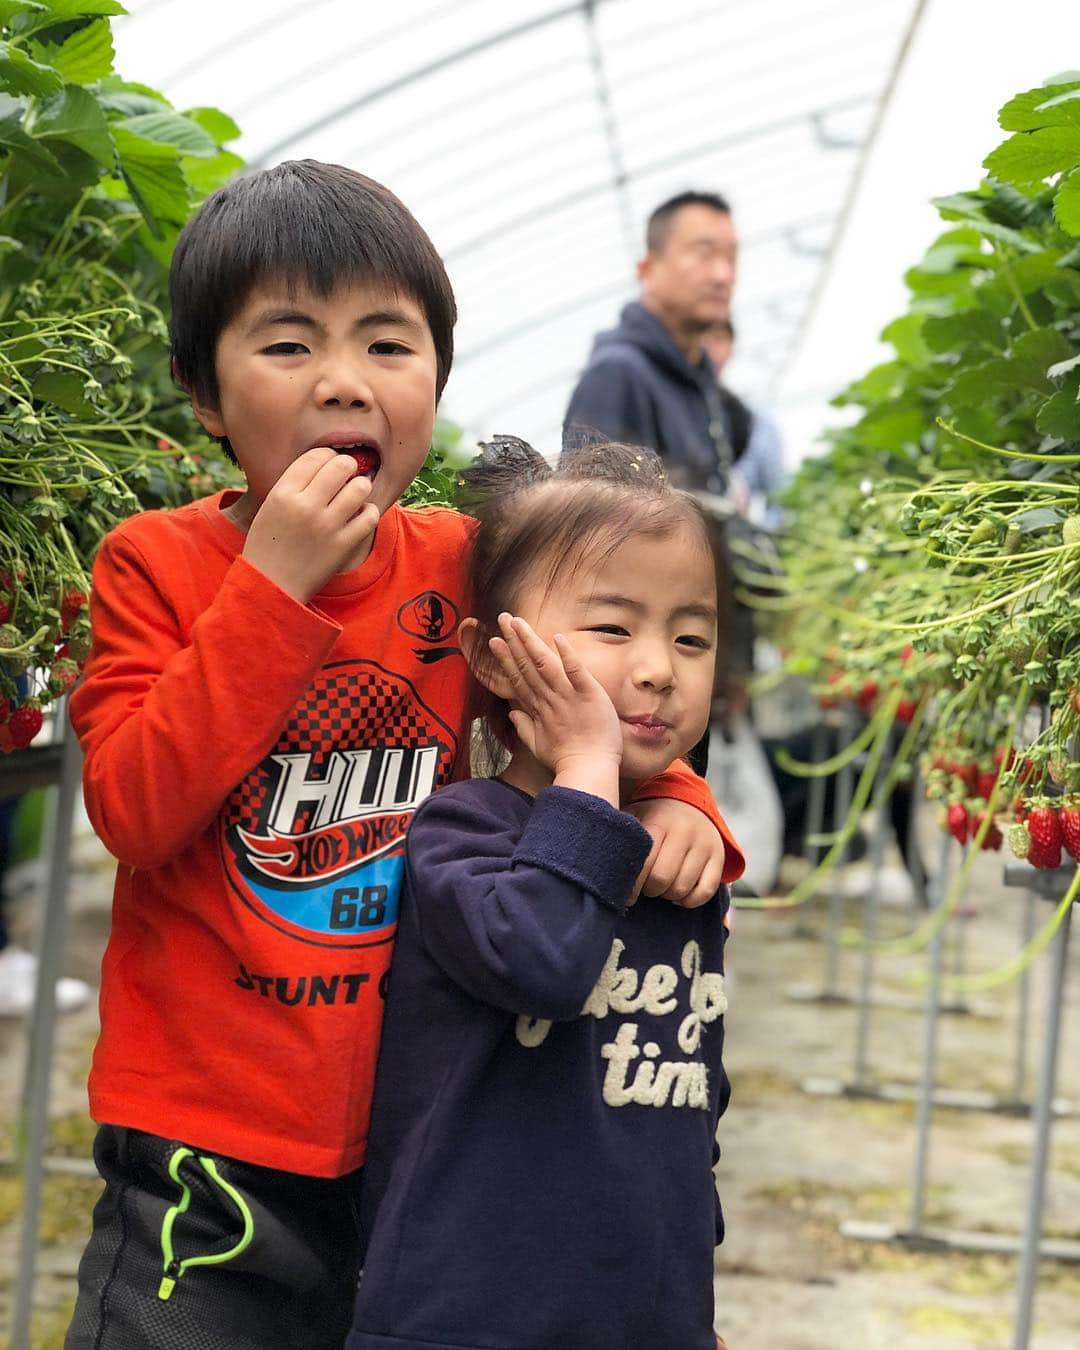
x=648 y=381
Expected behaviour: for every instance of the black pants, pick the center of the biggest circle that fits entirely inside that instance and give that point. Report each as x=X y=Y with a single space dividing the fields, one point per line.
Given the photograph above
x=193 y=1251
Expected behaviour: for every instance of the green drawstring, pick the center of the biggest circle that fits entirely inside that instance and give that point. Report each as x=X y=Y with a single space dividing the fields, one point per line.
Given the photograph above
x=173 y=1268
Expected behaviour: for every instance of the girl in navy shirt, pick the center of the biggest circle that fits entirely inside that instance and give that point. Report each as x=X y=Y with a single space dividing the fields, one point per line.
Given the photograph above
x=539 y=1172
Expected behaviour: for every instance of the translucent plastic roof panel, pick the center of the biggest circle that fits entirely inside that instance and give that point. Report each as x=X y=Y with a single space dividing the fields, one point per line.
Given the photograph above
x=532 y=141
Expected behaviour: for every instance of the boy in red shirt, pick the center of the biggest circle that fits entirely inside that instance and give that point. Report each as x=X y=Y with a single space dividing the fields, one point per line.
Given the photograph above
x=274 y=687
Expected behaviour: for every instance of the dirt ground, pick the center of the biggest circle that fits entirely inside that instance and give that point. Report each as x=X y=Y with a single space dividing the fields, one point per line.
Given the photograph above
x=795 y=1165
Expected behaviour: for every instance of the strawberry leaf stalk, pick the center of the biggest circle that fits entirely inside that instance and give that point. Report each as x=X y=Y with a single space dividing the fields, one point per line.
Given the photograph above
x=993 y=838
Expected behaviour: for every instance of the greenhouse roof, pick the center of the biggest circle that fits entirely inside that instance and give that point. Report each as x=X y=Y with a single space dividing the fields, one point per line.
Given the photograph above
x=532 y=140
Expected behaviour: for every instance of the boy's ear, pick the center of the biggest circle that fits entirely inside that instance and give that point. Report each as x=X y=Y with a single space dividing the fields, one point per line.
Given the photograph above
x=209 y=417
x=484 y=667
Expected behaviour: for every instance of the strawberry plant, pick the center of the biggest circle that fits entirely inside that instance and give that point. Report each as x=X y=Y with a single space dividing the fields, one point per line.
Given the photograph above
x=96 y=177
x=934 y=548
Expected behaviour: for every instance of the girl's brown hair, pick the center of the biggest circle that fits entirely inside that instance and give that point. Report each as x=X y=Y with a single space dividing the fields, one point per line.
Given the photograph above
x=538 y=522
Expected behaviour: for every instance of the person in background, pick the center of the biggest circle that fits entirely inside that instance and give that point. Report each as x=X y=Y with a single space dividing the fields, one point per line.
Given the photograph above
x=759 y=471
x=649 y=381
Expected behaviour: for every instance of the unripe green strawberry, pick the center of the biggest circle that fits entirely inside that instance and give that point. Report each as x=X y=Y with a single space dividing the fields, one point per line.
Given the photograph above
x=1018 y=650
x=1057 y=767
x=1014 y=538
x=15 y=662
x=1070 y=530
x=78 y=646
x=1019 y=840
x=983 y=533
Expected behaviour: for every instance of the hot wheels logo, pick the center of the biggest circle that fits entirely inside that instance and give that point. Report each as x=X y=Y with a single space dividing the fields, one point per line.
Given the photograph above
x=314 y=843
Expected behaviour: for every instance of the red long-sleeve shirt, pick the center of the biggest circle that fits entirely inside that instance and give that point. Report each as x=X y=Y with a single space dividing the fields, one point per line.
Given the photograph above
x=253 y=764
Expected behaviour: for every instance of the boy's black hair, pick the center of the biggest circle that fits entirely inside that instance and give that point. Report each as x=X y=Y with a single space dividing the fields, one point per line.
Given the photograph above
x=659 y=223
x=305 y=221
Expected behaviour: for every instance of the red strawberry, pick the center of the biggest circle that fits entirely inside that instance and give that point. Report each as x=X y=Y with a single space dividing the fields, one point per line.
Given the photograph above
x=906 y=653
x=957 y=822
x=906 y=709
x=24 y=724
x=1069 y=818
x=993 y=838
x=1004 y=753
x=1047 y=858
x=1044 y=827
x=866 y=695
x=5 y=610
x=984 y=785
x=1045 y=830
x=5 y=709
x=72 y=605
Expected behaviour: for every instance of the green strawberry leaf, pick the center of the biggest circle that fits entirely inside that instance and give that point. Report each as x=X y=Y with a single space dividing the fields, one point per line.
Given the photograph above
x=215 y=123
x=169 y=128
x=1030 y=157
x=22 y=75
x=1059 y=416
x=13 y=136
x=1067 y=203
x=1036 y=108
x=65 y=389
x=75 y=117
x=87 y=55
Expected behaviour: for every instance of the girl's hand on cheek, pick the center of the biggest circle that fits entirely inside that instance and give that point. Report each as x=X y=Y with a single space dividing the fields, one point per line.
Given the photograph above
x=561 y=714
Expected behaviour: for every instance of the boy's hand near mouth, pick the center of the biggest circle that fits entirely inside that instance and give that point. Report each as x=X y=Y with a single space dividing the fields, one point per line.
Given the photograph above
x=313 y=523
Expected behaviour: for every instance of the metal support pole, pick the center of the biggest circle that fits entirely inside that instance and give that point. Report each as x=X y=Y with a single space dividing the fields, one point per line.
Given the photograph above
x=1044 y=1115
x=925 y=1107
x=871 y=909
x=52 y=937
x=1047 y=886
x=845 y=789
x=1027 y=933
x=912 y=850
x=815 y=803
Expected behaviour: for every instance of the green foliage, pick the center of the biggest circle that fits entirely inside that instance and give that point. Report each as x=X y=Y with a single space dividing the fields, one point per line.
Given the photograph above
x=96 y=177
x=942 y=521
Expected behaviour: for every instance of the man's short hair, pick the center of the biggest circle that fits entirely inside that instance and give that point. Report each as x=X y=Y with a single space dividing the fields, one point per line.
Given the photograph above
x=659 y=225
x=308 y=223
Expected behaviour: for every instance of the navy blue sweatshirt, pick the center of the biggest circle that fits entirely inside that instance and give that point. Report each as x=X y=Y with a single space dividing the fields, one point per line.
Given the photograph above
x=639 y=387
x=539 y=1168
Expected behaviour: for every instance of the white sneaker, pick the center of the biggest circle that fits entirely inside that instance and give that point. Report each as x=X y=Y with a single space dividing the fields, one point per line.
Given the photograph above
x=18 y=984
